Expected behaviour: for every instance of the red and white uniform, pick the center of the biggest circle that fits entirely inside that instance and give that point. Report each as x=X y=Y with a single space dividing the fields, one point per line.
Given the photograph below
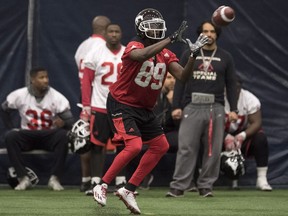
x=87 y=45
x=140 y=83
x=102 y=67
x=247 y=104
x=37 y=115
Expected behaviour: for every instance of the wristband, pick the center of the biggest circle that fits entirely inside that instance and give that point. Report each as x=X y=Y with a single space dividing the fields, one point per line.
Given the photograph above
x=243 y=134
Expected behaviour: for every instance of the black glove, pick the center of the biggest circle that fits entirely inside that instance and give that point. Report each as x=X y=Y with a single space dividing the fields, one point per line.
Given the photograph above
x=177 y=36
x=200 y=42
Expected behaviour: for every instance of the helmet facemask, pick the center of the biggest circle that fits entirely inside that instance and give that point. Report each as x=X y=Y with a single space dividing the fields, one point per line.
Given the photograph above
x=79 y=137
x=232 y=164
x=153 y=29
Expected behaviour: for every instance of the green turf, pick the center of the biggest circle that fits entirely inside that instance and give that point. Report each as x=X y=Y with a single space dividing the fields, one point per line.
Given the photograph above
x=246 y=202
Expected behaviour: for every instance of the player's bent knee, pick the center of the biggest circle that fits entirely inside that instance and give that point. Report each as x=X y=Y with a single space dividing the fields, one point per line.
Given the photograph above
x=134 y=145
x=159 y=144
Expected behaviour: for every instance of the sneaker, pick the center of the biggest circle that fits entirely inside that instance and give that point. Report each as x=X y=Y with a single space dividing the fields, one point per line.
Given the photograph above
x=117 y=187
x=24 y=183
x=175 y=193
x=85 y=186
x=147 y=182
x=263 y=186
x=54 y=184
x=129 y=200
x=99 y=193
x=89 y=191
x=205 y=192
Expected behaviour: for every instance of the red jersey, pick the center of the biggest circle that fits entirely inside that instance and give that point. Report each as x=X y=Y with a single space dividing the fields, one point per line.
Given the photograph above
x=140 y=83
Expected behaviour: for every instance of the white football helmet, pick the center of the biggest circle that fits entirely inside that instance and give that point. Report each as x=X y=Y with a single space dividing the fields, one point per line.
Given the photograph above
x=232 y=164
x=150 y=23
x=13 y=179
x=79 y=137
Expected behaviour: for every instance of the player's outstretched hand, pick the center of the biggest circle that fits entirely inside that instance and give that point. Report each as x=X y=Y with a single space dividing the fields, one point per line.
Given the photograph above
x=200 y=42
x=177 y=36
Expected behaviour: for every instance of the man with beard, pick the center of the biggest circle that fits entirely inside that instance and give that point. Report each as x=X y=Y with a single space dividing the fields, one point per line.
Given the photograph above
x=45 y=118
x=202 y=120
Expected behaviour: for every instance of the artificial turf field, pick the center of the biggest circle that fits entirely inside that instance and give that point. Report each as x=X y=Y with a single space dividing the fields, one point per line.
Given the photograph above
x=246 y=202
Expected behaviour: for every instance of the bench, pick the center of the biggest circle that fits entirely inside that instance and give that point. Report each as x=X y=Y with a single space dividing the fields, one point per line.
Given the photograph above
x=40 y=162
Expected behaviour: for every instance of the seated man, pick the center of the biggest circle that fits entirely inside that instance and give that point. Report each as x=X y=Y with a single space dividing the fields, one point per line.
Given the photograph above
x=246 y=134
x=45 y=116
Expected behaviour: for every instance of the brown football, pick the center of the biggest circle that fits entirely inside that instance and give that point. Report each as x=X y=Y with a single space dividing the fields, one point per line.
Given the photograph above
x=223 y=16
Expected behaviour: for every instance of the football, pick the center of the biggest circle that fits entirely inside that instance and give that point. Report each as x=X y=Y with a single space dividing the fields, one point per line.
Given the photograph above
x=223 y=16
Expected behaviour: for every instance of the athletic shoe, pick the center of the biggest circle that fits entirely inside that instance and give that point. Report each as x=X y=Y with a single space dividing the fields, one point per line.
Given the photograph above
x=90 y=192
x=117 y=187
x=85 y=186
x=129 y=200
x=263 y=186
x=175 y=193
x=147 y=182
x=54 y=184
x=24 y=184
x=205 y=192
x=99 y=192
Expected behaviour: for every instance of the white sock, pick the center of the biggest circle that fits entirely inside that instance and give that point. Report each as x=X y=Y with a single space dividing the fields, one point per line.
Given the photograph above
x=96 y=180
x=120 y=180
x=86 y=179
x=262 y=175
x=235 y=183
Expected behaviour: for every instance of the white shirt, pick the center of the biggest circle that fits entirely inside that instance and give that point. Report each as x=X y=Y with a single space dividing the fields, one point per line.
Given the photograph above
x=247 y=104
x=84 y=48
x=106 y=66
x=37 y=115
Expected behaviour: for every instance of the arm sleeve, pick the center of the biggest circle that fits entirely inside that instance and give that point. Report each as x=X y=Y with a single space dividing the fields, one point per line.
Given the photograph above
x=68 y=119
x=87 y=86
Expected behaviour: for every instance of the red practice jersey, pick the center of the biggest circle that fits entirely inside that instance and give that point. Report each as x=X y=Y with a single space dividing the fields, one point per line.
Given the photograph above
x=140 y=83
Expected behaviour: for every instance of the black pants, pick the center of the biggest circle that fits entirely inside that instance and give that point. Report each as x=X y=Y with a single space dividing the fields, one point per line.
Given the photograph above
x=18 y=141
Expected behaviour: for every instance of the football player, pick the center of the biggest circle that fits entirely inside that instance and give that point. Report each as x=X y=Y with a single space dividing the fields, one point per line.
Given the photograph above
x=101 y=68
x=45 y=118
x=99 y=25
x=145 y=63
x=247 y=134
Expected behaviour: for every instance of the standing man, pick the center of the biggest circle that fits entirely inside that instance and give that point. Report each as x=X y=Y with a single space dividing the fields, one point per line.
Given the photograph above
x=101 y=69
x=45 y=118
x=132 y=98
x=247 y=134
x=202 y=124
x=99 y=25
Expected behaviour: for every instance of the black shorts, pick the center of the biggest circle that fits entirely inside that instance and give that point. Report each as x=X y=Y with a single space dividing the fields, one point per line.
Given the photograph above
x=127 y=121
x=100 y=129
